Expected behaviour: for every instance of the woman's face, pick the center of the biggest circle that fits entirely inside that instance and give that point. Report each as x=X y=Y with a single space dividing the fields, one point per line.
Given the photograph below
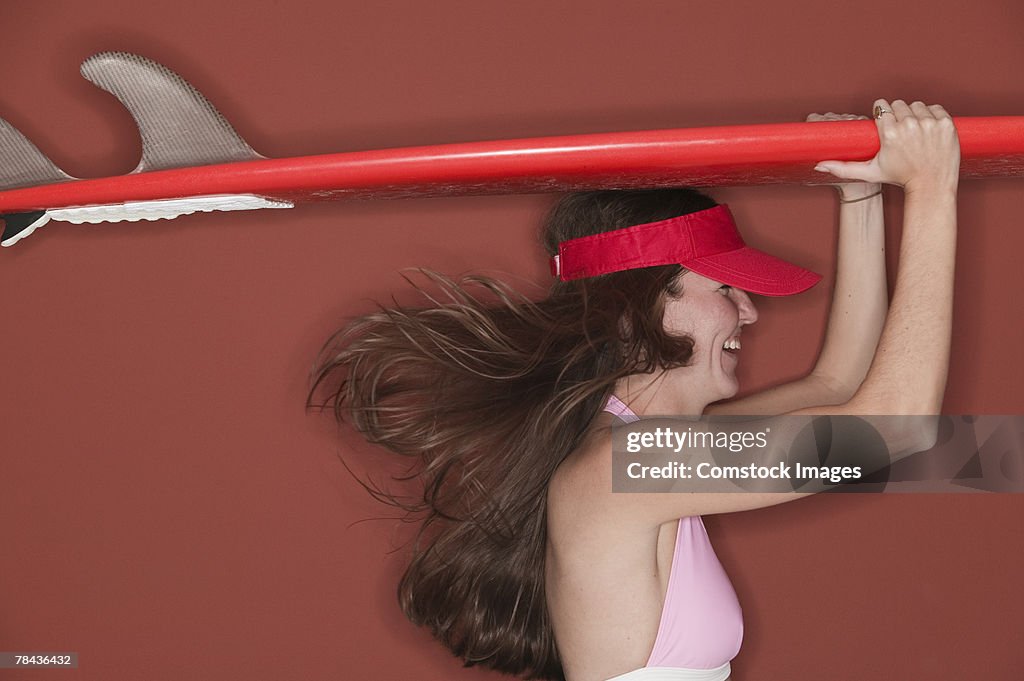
x=713 y=314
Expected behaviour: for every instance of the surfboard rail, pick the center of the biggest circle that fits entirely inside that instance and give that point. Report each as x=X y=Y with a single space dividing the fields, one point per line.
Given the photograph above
x=193 y=160
x=714 y=156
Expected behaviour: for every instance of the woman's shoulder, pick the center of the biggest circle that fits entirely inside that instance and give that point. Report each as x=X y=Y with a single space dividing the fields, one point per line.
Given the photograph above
x=574 y=478
x=581 y=501
x=580 y=497
x=593 y=541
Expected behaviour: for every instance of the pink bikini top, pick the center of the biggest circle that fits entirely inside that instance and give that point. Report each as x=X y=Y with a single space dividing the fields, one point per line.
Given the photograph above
x=701 y=621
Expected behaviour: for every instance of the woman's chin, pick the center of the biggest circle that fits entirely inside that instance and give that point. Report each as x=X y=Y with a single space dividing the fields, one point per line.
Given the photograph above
x=729 y=387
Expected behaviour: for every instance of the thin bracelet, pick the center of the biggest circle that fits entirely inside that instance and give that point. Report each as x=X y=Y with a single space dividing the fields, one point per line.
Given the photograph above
x=863 y=198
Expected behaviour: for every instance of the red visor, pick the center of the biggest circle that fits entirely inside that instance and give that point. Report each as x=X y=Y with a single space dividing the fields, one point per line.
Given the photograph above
x=706 y=242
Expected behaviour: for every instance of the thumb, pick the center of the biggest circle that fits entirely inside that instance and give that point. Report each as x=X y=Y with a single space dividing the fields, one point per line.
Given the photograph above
x=866 y=171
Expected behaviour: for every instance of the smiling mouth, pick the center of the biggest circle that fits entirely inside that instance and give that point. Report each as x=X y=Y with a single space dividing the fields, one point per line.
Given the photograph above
x=731 y=346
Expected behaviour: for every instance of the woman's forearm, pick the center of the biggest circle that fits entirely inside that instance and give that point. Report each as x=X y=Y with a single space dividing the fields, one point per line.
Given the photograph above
x=859 y=300
x=908 y=375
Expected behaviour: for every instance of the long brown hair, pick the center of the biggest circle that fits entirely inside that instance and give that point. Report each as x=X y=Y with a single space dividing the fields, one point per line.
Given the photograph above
x=487 y=392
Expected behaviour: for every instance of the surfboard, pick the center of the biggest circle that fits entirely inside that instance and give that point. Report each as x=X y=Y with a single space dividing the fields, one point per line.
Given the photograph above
x=193 y=160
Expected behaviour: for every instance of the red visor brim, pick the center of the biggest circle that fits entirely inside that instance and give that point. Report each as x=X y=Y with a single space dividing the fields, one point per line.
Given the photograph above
x=755 y=271
x=706 y=242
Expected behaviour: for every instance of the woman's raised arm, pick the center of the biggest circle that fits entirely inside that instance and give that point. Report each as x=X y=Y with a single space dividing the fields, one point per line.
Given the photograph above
x=920 y=152
x=856 y=314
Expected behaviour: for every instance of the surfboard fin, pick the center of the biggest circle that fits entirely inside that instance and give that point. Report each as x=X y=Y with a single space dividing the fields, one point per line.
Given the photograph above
x=21 y=162
x=17 y=226
x=178 y=125
x=179 y=128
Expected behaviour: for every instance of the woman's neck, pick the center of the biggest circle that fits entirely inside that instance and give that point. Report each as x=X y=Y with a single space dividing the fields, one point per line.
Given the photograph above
x=658 y=395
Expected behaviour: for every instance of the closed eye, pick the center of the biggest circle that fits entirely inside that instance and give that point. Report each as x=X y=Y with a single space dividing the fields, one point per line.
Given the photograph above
x=724 y=289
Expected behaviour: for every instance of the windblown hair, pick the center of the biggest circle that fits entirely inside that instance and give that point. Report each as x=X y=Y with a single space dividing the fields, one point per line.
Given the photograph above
x=487 y=392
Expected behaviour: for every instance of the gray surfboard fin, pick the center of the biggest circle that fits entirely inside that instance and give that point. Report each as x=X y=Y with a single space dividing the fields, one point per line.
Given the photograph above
x=21 y=162
x=178 y=126
x=23 y=165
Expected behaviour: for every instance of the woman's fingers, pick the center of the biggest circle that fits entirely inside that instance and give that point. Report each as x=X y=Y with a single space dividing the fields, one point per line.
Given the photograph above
x=880 y=109
x=918 y=145
x=921 y=110
x=834 y=167
x=865 y=171
x=831 y=116
x=901 y=110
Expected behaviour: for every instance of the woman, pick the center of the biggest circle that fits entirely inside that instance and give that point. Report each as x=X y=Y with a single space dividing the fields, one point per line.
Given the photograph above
x=526 y=562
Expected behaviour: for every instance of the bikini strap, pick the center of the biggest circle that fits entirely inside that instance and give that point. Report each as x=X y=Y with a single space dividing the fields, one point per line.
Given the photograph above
x=618 y=408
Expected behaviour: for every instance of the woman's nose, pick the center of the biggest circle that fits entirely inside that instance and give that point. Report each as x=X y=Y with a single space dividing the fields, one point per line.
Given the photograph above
x=748 y=313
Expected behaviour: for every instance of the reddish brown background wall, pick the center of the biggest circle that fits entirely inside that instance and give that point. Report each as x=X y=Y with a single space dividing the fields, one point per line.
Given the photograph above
x=167 y=508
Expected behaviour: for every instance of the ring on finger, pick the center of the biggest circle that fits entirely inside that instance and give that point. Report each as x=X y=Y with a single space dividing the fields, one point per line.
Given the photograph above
x=879 y=110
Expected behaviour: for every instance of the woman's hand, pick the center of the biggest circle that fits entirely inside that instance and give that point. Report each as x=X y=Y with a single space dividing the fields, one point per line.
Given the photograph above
x=848 y=191
x=919 y=149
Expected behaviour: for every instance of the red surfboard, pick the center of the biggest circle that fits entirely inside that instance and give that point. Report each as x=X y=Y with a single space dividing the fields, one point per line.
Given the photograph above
x=193 y=160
